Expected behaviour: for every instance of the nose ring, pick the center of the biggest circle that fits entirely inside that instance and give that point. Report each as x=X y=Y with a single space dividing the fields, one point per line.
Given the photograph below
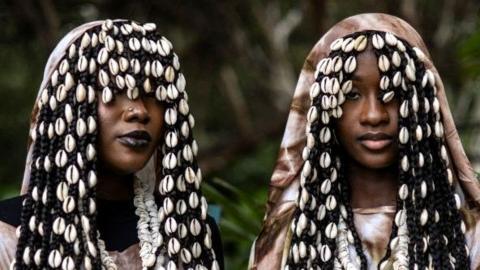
x=130 y=109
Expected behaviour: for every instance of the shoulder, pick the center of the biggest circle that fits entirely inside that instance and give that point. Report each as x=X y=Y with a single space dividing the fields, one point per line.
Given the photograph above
x=8 y=243
x=472 y=236
x=11 y=210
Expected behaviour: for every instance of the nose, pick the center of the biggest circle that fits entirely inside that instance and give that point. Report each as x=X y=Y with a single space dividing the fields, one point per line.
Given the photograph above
x=373 y=112
x=136 y=111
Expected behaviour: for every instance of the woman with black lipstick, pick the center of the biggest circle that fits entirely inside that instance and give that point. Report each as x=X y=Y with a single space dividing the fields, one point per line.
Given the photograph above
x=371 y=173
x=111 y=180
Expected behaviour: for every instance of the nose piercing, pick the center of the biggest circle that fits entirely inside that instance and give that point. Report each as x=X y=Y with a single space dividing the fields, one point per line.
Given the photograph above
x=130 y=109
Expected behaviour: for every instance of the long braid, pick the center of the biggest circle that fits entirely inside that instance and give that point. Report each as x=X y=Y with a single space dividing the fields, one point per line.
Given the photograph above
x=425 y=232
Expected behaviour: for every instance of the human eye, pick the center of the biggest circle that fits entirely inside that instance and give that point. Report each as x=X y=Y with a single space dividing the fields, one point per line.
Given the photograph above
x=352 y=95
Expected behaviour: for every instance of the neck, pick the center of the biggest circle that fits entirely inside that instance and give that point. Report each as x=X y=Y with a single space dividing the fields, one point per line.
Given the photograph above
x=114 y=186
x=372 y=187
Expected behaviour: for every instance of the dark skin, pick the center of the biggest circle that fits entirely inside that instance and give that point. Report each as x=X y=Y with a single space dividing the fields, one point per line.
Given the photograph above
x=367 y=132
x=129 y=132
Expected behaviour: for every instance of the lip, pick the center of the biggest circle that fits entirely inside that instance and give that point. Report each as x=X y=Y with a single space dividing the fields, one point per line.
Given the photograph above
x=375 y=141
x=135 y=139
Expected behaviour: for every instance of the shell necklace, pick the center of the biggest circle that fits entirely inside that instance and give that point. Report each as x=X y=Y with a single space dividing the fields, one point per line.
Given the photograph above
x=399 y=246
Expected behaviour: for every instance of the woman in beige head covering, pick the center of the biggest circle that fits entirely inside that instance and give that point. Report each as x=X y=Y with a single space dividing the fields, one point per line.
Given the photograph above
x=111 y=180
x=371 y=172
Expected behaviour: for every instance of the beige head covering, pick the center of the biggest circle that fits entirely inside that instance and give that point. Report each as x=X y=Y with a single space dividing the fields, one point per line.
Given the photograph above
x=269 y=247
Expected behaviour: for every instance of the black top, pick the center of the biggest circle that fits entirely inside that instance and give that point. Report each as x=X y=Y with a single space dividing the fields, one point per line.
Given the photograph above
x=114 y=218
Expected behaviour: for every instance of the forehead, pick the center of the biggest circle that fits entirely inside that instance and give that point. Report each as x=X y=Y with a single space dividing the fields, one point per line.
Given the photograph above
x=367 y=71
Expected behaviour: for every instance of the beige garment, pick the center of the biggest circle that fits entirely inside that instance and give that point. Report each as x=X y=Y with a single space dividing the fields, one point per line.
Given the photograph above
x=269 y=249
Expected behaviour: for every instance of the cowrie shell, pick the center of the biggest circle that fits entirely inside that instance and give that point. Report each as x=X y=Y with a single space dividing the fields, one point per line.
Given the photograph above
x=170 y=225
x=92 y=179
x=72 y=175
x=403 y=192
x=336 y=44
x=68 y=204
x=383 y=63
x=173 y=246
x=92 y=66
x=63 y=67
x=109 y=43
x=396 y=60
x=360 y=43
x=190 y=175
x=60 y=126
x=404 y=164
x=378 y=42
x=54 y=259
x=325 y=135
x=404 y=109
x=134 y=44
x=424 y=217
x=147 y=87
x=419 y=53
x=54 y=78
x=347 y=45
x=69 y=143
x=70 y=233
x=325 y=160
x=107 y=95
x=102 y=56
x=384 y=83
x=410 y=73
x=91 y=152
x=68 y=264
x=331 y=230
x=81 y=127
x=62 y=191
x=350 y=64
x=113 y=66
x=347 y=87
x=331 y=203
x=181 y=82
x=403 y=135
x=390 y=39
x=59 y=226
x=337 y=63
x=193 y=200
x=172 y=92
x=387 y=97
x=171 y=116
x=169 y=74
x=195 y=227
x=401 y=46
x=397 y=79
x=61 y=158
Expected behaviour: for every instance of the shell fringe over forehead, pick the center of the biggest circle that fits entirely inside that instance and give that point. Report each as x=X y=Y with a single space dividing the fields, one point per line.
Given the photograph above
x=286 y=176
x=58 y=227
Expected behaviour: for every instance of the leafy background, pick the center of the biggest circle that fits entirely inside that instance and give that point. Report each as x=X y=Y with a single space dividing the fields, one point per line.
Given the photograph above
x=241 y=59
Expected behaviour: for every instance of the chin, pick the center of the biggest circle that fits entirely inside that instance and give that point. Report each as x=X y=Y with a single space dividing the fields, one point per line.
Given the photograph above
x=130 y=165
x=377 y=162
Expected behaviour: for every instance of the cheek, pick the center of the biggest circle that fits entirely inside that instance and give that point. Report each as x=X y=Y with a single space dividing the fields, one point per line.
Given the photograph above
x=156 y=124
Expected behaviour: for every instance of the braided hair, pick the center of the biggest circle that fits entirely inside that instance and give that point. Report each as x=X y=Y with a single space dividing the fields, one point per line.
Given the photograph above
x=428 y=230
x=58 y=222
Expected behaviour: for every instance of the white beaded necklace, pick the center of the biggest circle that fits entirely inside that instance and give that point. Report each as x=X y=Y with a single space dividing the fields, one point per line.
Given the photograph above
x=399 y=245
x=148 y=227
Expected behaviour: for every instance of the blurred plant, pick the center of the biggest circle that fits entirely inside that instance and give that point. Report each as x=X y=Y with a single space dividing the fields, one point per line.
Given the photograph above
x=241 y=220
